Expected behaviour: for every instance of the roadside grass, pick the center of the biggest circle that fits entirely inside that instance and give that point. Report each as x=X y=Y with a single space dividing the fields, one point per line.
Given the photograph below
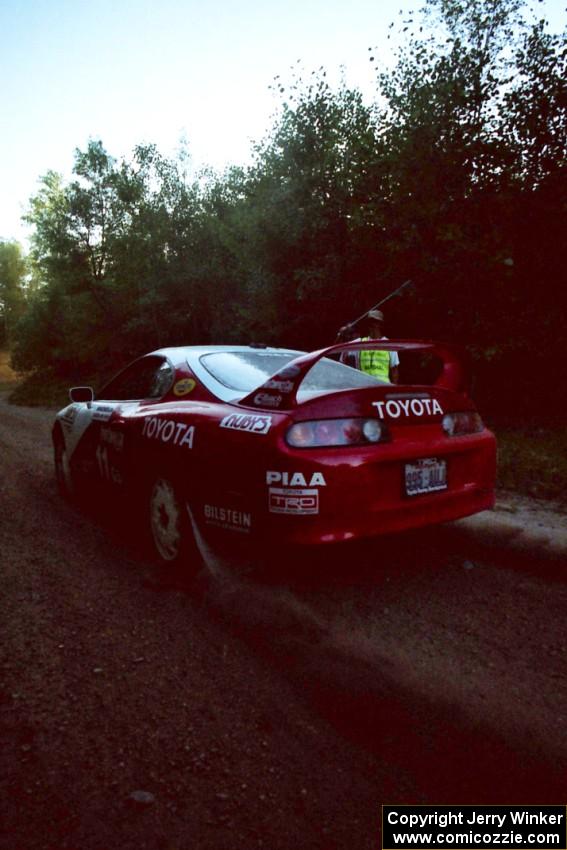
x=40 y=389
x=8 y=378
x=532 y=459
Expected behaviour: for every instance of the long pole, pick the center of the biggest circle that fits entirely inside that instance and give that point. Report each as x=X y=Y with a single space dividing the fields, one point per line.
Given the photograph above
x=346 y=328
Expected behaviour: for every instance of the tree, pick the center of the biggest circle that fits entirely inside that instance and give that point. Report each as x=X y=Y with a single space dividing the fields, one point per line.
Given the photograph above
x=13 y=270
x=301 y=209
x=455 y=177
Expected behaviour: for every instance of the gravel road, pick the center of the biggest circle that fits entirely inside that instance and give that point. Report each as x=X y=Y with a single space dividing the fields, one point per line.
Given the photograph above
x=239 y=714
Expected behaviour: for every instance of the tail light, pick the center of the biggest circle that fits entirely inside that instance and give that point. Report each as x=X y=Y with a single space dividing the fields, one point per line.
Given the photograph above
x=336 y=432
x=464 y=422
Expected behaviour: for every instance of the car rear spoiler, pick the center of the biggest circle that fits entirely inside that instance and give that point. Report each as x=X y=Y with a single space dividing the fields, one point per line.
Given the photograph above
x=280 y=391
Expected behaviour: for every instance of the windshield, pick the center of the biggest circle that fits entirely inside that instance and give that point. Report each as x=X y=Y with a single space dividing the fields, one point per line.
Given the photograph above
x=244 y=371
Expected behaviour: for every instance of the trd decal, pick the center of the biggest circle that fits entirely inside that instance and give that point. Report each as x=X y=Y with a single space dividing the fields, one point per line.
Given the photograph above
x=296 y=501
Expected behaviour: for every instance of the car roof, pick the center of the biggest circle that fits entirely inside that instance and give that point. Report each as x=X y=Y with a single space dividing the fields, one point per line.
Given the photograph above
x=190 y=353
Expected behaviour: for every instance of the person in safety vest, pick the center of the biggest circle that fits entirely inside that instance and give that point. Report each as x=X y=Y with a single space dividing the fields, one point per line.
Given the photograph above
x=383 y=365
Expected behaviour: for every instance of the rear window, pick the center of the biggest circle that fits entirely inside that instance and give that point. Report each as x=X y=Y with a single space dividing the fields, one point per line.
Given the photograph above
x=244 y=371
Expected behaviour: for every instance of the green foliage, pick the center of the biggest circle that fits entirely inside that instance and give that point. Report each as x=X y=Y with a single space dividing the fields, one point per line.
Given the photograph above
x=533 y=460
x=455 y=178
x=13 y=272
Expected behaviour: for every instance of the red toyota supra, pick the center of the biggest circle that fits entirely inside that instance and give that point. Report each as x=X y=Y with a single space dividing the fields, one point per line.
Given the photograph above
x=275 y=446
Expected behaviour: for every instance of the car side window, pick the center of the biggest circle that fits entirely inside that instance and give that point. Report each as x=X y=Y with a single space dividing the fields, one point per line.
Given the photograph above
x=162 y=381
x=149 y=377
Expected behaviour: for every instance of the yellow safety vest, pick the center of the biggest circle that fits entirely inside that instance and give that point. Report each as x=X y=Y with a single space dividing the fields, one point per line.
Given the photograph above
x=375 y=363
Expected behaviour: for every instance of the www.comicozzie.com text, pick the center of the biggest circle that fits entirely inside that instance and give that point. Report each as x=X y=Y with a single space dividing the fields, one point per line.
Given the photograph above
x=498 y=820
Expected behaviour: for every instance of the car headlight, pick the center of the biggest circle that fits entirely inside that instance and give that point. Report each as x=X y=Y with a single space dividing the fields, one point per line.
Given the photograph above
x=464 y=422
x=336 y=432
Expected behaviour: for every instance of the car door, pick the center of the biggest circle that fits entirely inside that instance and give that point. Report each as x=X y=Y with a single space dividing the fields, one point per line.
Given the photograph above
x=103 y=455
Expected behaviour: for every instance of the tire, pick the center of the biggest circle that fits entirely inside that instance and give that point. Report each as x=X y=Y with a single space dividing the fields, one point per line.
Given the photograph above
x=170 y=529
x=63 y=476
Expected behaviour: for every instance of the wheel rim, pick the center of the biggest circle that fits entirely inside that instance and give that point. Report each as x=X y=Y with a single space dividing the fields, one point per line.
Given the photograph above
x=165 y=519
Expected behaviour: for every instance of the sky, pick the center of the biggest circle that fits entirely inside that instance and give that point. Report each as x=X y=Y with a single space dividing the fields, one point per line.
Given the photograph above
x=156 y=71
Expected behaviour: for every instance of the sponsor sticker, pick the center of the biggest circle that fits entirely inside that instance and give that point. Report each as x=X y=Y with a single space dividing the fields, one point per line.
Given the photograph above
x=102 y=412
x=168 y=431
x=407 y=407
x=267 y=400
x=289 y=372
x=281 y=386
x=297 y=501
x=69 y=417
x=228 y=518
x=295 y=479
x=247 y=422
x=184 y=387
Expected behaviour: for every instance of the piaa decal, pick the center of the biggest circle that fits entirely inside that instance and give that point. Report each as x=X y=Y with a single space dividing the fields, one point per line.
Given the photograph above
x=295 y=479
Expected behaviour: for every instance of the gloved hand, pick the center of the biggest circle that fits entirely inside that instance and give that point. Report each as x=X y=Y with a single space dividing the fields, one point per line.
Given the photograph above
x=345 y=332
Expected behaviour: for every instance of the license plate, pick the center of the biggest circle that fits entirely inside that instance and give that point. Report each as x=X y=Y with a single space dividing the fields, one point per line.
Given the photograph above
x=425 y=476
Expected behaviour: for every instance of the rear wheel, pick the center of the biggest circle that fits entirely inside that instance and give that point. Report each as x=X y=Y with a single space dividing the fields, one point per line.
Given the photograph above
x=170 y=528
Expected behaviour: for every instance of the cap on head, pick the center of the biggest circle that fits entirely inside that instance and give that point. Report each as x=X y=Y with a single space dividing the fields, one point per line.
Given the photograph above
x=376 y=316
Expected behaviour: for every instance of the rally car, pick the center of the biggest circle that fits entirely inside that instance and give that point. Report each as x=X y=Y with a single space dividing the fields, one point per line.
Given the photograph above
x=274 y=447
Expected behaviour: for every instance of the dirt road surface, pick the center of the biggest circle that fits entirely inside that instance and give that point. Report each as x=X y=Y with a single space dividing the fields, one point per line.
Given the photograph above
x=279 y=714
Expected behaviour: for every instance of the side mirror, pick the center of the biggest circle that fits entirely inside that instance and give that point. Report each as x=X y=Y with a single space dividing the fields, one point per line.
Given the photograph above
x=81 y=394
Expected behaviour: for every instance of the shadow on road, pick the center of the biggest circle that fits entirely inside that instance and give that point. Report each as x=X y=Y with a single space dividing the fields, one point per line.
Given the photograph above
x=445 y=755
x=450 y=756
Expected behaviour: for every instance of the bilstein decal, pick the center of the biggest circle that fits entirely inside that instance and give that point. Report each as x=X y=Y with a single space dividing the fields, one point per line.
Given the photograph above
x=184 y=387
x=168 y=431
x=408 y=407
x=295 y=479
x=228 y=518
x=247 y=422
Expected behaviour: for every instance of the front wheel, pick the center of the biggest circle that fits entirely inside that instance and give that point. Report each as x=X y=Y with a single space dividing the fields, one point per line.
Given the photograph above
x=170 y=528
x=63 y=475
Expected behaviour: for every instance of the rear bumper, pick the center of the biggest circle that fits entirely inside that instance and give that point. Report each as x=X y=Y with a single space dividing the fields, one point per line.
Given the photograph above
x=369 y=500
x=421 y=512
